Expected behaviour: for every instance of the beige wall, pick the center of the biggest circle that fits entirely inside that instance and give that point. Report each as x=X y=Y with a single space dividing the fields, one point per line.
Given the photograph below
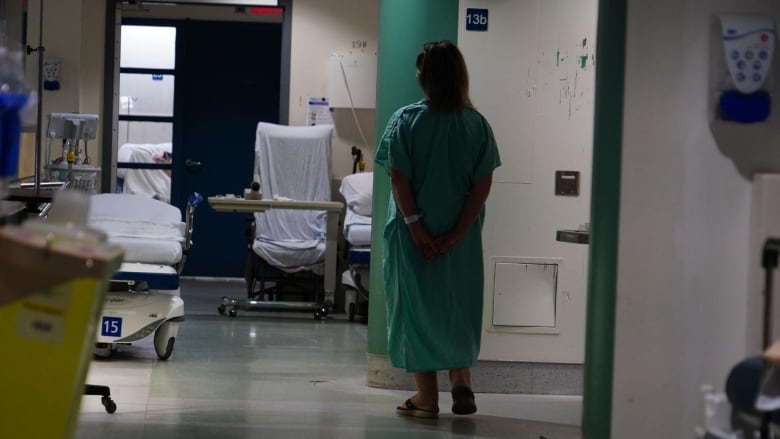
x=321 y=28
x=539 y=101
x=62 y=38
x=684 y=236
x=93 y=30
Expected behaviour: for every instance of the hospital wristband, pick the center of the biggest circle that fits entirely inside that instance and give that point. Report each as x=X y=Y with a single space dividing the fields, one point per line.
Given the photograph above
x=412 y=218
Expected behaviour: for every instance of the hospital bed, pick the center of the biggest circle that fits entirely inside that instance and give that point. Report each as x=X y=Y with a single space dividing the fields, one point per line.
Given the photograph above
x=357 y=191
x=144 y=298
x=292 y=236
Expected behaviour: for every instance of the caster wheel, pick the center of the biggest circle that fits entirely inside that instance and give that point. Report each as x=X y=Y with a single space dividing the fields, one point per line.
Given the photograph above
x=164 y=339
x=317 y=316
x=109 y=404
x=165 y=353
x=221 y=309
x=233 y=312
x=352 y=312
x=103 y=350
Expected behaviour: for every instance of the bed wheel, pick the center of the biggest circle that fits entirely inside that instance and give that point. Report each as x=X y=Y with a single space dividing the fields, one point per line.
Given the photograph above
x=323 y=312
x=105 y=350
x=108 y=404
x=221 y=309
x=164 y=339
x=233 y=312
x=164 y=352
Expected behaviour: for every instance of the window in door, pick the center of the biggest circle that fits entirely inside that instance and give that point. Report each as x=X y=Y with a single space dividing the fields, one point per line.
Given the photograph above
x=146 y=85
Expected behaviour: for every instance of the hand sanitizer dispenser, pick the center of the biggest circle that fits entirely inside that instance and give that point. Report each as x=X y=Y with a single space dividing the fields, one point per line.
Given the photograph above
x=749 y=43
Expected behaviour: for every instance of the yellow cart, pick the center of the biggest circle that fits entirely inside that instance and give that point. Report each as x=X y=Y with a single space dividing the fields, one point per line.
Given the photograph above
x=51 y=294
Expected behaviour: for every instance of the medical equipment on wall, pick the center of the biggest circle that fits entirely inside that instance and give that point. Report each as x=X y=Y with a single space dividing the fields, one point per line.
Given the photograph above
x=352 y=84
x=358 y=164
x=144 y=299
x=292 y=236
x=73 y=164
x=51 y=73
x=748 y=44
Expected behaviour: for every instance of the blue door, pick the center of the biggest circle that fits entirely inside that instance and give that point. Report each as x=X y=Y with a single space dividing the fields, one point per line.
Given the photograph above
x=227 y=80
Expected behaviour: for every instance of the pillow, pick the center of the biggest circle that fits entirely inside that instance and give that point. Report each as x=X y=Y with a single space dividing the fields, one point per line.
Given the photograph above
x=357 y=190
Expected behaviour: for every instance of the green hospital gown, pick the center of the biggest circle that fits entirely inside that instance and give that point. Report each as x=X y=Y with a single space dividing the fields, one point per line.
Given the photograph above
x=434 y=308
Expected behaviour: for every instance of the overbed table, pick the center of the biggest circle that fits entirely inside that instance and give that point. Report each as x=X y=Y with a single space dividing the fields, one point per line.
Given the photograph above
x=333 y=209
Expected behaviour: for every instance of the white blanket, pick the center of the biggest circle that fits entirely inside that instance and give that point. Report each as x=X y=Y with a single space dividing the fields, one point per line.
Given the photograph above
x=292 y=162
x=148 y=230
x=357 y=190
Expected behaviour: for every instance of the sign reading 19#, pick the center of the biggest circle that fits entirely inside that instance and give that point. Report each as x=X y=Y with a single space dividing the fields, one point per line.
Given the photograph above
x=477 y=19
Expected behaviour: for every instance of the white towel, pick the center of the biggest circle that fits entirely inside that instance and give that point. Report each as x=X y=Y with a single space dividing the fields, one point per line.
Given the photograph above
x=293 y=162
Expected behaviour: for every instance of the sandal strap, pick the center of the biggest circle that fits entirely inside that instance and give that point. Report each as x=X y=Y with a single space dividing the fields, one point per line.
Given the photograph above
x=409 y=405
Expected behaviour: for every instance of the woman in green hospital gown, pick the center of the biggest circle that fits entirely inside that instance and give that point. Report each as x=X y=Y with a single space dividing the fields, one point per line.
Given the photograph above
x=440 y=153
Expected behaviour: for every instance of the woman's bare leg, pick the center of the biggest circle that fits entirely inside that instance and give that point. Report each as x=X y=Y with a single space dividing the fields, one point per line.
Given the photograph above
x=462 y=396
x=460 y=377
x=427 y=397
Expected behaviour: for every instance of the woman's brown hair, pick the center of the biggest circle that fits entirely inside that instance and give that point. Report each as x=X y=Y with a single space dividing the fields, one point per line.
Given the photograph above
x=443 y=76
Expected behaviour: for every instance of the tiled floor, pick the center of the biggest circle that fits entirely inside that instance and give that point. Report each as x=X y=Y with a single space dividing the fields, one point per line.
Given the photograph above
x=265 y=375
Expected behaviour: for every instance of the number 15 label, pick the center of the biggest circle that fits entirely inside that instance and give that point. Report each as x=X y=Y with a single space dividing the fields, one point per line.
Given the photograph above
x=111 y=327
x=477 y=19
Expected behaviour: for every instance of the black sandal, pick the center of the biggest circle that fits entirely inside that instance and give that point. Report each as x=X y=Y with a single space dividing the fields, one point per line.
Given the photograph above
x=463 y=401
x=409 y=409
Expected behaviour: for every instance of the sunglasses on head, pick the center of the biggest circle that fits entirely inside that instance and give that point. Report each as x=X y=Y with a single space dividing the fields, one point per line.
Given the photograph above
x=427 y=46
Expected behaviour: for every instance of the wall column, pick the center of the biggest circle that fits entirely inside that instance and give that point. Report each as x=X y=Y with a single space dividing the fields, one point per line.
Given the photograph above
x=404 y=26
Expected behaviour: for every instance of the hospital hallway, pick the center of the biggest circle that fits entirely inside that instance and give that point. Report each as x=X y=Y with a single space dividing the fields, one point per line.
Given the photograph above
x=284 y=375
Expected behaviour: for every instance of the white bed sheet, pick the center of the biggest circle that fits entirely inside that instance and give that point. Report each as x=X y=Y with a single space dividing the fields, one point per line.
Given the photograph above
x=357 y=190
x=292 y=162
x=148 y=251
x=357 y=228
x=133 y=207
x=292 y=256
x=149 y=231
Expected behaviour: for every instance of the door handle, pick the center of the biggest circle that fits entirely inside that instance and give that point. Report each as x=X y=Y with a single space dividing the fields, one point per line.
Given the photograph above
x=193 y=165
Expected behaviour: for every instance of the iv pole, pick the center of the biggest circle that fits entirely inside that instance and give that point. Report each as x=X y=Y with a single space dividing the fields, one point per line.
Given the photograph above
x=40 y=49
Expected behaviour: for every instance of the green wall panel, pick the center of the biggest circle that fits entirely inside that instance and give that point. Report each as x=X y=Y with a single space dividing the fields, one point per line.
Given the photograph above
x=605 y=210
x=404 y=26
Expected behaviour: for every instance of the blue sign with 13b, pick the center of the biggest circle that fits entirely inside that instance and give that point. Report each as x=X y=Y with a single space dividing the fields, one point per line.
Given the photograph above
x=476 y=19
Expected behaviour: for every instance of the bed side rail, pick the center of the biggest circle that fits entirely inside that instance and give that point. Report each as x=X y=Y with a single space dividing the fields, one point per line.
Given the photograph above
x=189 y=223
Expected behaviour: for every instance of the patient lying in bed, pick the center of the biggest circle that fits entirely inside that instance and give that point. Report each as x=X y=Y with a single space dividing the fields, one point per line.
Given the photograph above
x=155 y=183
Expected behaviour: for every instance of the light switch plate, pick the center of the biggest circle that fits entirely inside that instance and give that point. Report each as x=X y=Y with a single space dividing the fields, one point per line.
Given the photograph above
x=567 y=183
